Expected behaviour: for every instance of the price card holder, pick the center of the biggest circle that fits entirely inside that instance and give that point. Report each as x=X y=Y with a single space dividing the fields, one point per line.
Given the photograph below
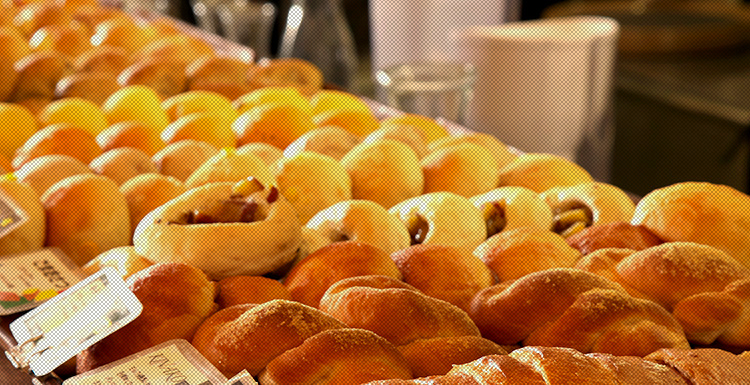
x=242 y=378
x=174 y=362
x=11 y=216
x=28 y=280
x=72 y=321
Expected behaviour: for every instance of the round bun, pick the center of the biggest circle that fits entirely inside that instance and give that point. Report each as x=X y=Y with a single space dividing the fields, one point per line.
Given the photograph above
x=398 y=315
x=614 y=235
x=541 y=172
x=447 y=273
x=59 y=139
x=311 y=277
x=146 y=192
x=706 y=213
x=248 y=337
x=29 y=236
x=250 y=289
x=123 y=164
x=181 y=159
x=43 y=172
x=86 y=216
x=437 y=356
x=337 y=356
x=222 y=231
x=167 y=313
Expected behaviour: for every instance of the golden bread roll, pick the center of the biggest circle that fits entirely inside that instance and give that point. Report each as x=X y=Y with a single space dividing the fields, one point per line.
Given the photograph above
x=363 y=221
x=103 y=60
x=603 y=262
x=212 y=72
x=248 y=337
x=124 y=259
x=249 y=289
x=706 y=213
x=532 y=307
x=373 y=281
x=584 y=205
x=123 y=164
x=436 y=356
x=541 y=172
x=86 y=216
x=501 y=152
x=497 y=369
x=337 y=356
x=181 y=159
x=411 y=136
x=442 y=218
x=617 y=235
x=95 y=86
x=132 y=134
x=59 y=139
x=30 y=235
x=166 y=77
x=176 y=298
x=333 y=141
x=38 y=74
x=310 y=278
x=513 y=254
x=223 y=229
x=297 y=73
x=466 y=169
x=447 y=273
x=146 y=192
x=398 y=315
x=564 y=366
x=268 y=153
x=43 y=172
x=508 y=208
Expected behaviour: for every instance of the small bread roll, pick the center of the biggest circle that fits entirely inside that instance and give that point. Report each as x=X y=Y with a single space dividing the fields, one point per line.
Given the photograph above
x=337 y=356
x=181 y=159
x=615 y=235
x=249 y=289
x=466 y=169
x=437 y=356
x=165 y=76
x=706 y=213
x=29 y=236
x=59 y=139
x=311 y=277
x=508 y=208
x=512 y=254
x=224 y=229
x=541 y=172
x=249 y=337
x=447 y=273
x=167 y=313
x=330 y=140
x=38 y=74
x=501 y=152
x=146 y=192
x=584 y=205
x=86 y=216
x=123 y=164
x=398 y=315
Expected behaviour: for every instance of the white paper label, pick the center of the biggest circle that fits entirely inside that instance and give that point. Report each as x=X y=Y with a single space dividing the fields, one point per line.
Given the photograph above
x=28 y=280
x=11 y=216
x=162 y=365
x=74 y=320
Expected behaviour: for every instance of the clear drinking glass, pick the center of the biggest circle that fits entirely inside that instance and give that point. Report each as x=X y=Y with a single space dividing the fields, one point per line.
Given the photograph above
x=433 y=89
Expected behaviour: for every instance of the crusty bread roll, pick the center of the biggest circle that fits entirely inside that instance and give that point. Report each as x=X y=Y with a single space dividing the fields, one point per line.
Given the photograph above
x=38 y=74
x=587 y=204
x=541 y=172
x=497 y=369
x=436 y=356
x=250 y=289
x=248 y=337
x=337 y=356
x=176 y=298
x=224 y=229
x=512 y=254
x=60 y=139
x=43 y=172
x=618 y=235
x=28 y=236
x=442 y=218
x=146 y=192
x=86 y=216
x=595 y=313
x=310 y=278
x=398 y=315
x=706 y=213
x=564 y=366
x=451 y=274
x=511 y=207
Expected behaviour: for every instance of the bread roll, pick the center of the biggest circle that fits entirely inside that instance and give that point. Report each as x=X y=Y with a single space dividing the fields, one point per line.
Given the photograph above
x=146 y=192
x=466 y=169
x=224 y=229
x=86 y=216
x=28 y=236
x=59 y=139
x=706 y=213
x=398 y=315
x=512 y=254
x=636 y=370
x=247 y=289
x=509 y=208
x=564 y=366
x=123 y=164
x=619 y=235
x=337 y=356
x=43 y=172
x=541 y=172
x=95 y=86
x=436 y=356
x=181 y=159
x=248 y=337
x=372 y=281
x=447 y=273
x=704 y=366
x=176 y=298
x=166 y=76
x=533 y=307
x=311 y=277
x=497 y=369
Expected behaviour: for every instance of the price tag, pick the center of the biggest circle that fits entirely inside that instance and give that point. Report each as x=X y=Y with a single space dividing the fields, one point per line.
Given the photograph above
x=11 y=216
x=28 y=280
x=72 y=321
x=174 y=362
x=242 y=378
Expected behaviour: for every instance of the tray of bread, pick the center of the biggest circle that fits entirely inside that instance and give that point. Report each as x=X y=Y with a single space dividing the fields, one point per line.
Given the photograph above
x=303 y=235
